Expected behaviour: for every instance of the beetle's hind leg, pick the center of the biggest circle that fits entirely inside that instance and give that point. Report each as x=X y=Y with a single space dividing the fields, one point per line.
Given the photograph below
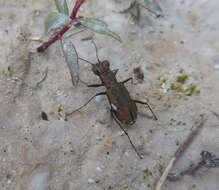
x=145 y=103
x=119 y=124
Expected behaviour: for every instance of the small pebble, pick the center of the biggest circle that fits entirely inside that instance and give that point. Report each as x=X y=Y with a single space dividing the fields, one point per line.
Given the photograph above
x=91 y=180
x=126 y=154
x=99 y=169
x=13 y=173
x=216 y=66
x=98 y=98
x=164 y=88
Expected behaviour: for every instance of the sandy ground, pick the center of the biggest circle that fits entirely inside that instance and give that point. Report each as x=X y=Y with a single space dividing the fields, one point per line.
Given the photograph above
x=89 y=152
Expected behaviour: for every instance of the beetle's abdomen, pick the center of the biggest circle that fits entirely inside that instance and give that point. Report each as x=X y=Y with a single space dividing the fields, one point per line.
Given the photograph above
x=124 y=107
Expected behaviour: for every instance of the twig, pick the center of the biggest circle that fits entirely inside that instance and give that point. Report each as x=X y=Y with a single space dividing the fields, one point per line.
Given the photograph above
x=44 y=77
x=178 y=153
x=208 y=160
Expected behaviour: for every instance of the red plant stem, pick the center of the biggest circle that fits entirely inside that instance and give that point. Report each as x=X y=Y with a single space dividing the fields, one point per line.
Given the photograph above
x=45 y=45
x=76 y=7
x=58 y=36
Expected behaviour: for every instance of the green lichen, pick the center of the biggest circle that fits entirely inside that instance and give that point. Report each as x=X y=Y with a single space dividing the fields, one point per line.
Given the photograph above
x=181 y=70
x=164 y=80
x=179 y=122
x=180 y=84
x=159 y=77
x=147 y=172
x=92 y=12
x=182 y=78
x=198 y=92
x=173 y=86
x=60 y=109
x=180 y=88
x=191 y=89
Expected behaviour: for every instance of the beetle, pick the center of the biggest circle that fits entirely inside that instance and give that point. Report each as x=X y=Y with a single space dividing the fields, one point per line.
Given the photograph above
x=123 y=107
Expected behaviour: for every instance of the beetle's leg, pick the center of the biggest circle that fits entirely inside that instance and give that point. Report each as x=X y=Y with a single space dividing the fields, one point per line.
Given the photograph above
x=133 y=118
x=127 y=80
x=95 y=85
x=145 y=103
x=115 y=71
x=116 y=120
x=98 y=94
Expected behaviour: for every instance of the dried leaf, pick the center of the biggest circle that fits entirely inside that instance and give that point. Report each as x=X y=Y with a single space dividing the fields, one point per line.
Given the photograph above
x=99 y=27
x=134 y=10
x=71 y=57
x=62 y=6
x=55 y=21
x=152 y=6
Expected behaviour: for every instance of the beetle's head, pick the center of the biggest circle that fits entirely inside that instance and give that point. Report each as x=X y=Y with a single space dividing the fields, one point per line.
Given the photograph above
x=101 y=67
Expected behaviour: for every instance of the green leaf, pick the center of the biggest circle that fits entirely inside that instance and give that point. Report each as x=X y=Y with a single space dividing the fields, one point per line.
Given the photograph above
x=71 y=58
x=99 y=27
x=62 y=6
x=55 y=21
x=152 y=6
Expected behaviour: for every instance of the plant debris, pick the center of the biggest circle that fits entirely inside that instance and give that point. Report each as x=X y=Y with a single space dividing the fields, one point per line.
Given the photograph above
x=151 y=5
x=44 y=116
x=179 y=152
x=179 y=83
x=139 y=75
x=207 y=160
x=61 y=22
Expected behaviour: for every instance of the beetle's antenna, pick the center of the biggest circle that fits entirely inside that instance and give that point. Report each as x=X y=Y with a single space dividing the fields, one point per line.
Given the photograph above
x=86 y=61
x=96 y=51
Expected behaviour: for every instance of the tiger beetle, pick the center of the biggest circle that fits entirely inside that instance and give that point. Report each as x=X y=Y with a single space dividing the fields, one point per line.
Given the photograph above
x=123 y=107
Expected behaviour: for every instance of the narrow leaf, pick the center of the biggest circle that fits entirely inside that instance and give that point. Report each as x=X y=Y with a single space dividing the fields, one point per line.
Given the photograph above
x=71 y=57
x=99 y=27
x=76 y=7
x=56 y=21
x=152 y=6
x=62 y=6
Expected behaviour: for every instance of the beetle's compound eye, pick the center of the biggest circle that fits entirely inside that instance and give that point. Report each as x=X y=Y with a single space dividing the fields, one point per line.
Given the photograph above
x=106 y=64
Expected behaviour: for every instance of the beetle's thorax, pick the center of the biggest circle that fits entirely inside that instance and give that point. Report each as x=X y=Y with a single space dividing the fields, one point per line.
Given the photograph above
x=108 y=79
